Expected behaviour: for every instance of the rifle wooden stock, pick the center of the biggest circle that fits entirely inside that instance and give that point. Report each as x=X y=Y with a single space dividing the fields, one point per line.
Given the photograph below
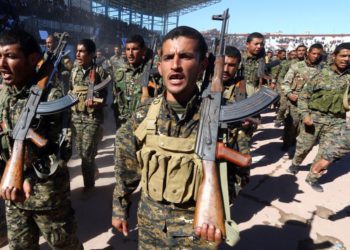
x=228 y=154
x=209 y=208
x=13 y=174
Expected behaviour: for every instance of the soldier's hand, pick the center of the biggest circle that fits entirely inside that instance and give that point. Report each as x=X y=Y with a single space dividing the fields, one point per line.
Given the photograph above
x=121 y=226
x=16 y=195
x=209 y=233
x=293 y=97
x=89 y=103
x=308 y=121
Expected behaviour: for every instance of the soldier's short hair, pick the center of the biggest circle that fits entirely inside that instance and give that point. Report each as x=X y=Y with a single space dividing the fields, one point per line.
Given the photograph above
x=89 y=45
x=137 y=39
x=341 y=47
x=253 y=35
x=301 y=46
x=191 y=33
x=26 y=41
x=232 y=51
x=281 y=51
x=316 y=46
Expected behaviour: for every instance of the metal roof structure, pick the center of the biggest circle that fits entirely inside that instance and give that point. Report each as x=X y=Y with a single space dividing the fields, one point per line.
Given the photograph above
x=153 y=14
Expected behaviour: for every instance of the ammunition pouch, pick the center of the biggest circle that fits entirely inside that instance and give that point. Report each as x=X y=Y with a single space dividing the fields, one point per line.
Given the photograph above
x=328 y=101
x=171 y=171
x=81 y=93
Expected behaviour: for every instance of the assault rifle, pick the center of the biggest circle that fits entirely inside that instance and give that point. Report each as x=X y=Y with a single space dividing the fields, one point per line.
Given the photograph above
x=214 y=116
x=13 y=174
x=147 y=72
x=92 y=87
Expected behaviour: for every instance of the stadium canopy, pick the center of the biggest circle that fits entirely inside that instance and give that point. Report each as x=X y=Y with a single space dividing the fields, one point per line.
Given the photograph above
x=156 y=15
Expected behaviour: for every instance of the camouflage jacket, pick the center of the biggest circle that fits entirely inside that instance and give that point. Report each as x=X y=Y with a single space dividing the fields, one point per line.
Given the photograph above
x=253 y=69
x=51 y=192
x=276 y=70
x=116 y=62
x=79 y=82
x=297 y=75
x=127 y=170
x=329 y=80
x=127 y=90
x=285 y=65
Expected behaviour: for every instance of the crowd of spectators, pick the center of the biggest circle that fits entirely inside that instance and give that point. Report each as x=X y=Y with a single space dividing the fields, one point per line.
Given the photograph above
x=105 y=29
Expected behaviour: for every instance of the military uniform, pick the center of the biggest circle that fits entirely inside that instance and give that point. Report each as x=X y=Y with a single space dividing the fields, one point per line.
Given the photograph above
x=48 y=210
x=162 y=158
x=277 y=78
x=86 y=121
x=116 y=62
x=322 y=100
x=237 y=138
x=126 y=91
x=293 y=83
x=253 y=71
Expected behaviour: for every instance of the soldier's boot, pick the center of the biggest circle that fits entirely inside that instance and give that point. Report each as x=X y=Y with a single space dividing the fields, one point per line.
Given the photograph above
x=293 y=169
x=312 y=180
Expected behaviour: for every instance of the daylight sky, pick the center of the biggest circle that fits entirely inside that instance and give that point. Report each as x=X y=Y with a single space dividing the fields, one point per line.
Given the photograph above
x=287 y=16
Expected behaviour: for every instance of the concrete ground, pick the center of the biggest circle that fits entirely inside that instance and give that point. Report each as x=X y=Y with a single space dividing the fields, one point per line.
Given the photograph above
x=276 y=211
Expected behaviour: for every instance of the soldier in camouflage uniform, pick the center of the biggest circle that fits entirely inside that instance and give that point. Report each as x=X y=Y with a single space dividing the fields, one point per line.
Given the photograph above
x=281 y=71
x=292 y=85
x=167 y=204
x=237 y=138
x=87 y=115
x=116 y=60
x=44 y=207
x=253 y=63
x=127 y=90
x=322 y=112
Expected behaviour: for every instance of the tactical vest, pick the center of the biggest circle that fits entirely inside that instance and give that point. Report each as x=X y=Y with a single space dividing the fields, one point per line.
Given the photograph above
x=81 y=92
x=328 y=101
x=170 y=169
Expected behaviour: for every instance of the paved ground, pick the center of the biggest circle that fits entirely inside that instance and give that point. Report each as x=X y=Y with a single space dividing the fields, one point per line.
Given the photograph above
x=276 y=211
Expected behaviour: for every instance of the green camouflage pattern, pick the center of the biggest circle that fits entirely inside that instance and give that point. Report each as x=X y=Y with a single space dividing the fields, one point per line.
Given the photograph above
x=293 y=83
x=326 y=125
x=116 y=62
x=253 y=70
x=57 y=226
x=86 y=124
x=237 y=139
x=162 y=225
x=167 y=226
x=49 y=195
x=126 y=91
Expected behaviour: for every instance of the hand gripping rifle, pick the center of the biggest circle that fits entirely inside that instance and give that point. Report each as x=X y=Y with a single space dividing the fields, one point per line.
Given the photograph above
x=209 y=206
x=13 y=174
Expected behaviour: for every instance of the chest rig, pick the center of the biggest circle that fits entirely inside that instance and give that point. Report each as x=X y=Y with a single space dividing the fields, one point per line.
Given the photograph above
x=170 y=169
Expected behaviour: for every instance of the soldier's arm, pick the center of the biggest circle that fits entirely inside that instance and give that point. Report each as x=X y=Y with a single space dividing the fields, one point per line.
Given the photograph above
x=288 y=80
x=282 y=73
x=304 y=97
x=126 y=167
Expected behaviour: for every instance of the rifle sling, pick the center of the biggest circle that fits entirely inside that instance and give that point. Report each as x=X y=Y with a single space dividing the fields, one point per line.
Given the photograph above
x=232 y=231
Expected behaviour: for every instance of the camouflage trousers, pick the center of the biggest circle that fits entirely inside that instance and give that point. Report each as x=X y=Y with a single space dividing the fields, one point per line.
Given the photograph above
x=282 y=109
x=238 y=177
x=340 y=145
x=86 y=131
x=291 y=125
x=323 y=131
x=166 y=226
x=57 y=226
x=3 y=228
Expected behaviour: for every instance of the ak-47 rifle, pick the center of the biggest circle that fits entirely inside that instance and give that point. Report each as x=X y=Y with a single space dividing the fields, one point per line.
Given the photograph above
x=147 y=72
x=215 y=116
x=209 y=207
x=92 y=87
x=13 y=174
